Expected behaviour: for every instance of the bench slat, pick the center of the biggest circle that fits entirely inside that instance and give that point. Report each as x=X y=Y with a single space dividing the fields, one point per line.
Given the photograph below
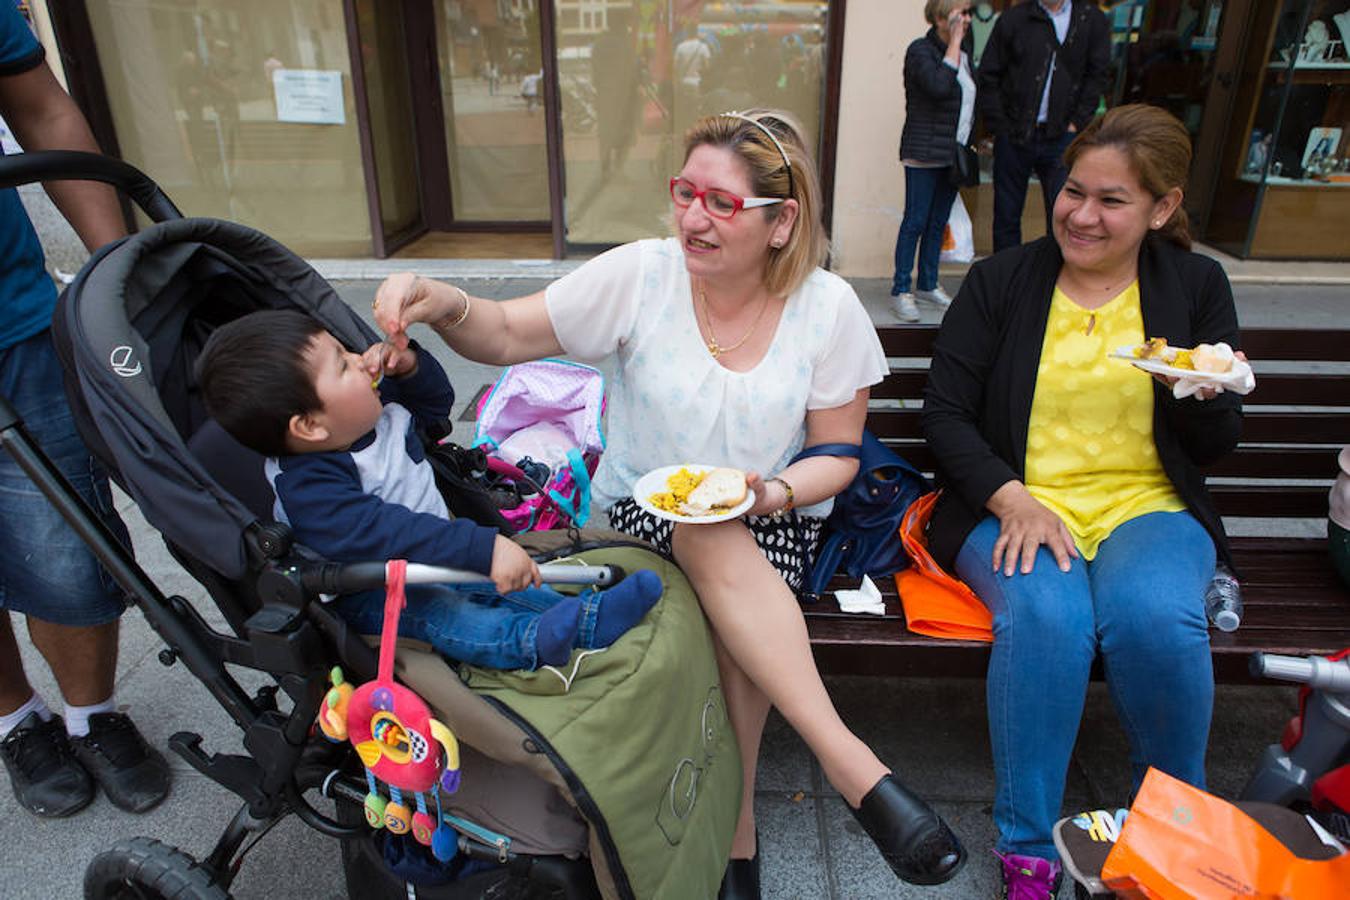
x=1245 y=462
x=1265 y=501
x=1293 y=344
x=1272 y=389
x=1258 y=427
x=1297 y=344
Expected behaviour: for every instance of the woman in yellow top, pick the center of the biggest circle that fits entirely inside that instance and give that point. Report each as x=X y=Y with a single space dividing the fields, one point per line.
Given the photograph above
x=1074 y=505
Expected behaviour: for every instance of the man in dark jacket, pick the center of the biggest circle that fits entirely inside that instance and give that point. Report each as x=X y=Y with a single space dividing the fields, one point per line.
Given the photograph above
x=1040 y=80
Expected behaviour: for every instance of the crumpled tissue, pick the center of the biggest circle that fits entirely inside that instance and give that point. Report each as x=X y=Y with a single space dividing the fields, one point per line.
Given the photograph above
x=1239 y=380
x=865 y=600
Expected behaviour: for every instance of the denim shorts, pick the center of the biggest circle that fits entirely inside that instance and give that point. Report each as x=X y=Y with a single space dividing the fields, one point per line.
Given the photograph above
x=46 y=571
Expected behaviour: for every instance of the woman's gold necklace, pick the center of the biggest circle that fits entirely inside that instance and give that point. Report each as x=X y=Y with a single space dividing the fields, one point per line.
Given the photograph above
x=716 y=348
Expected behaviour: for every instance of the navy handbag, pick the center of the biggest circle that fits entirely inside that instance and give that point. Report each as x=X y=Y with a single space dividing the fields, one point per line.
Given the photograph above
x=862 y=533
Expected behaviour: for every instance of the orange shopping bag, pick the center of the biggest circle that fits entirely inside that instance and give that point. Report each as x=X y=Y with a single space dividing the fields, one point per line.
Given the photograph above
x=936 y=604
x=1180 y=843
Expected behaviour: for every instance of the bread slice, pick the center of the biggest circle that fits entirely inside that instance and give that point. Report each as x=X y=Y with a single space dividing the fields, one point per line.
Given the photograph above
x=719 y=489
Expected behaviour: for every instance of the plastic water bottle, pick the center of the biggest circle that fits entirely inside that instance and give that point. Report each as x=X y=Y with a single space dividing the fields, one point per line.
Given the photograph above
x=1223 y=600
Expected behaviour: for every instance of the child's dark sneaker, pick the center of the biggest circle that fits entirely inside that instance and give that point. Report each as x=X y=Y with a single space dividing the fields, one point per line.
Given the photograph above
x=556 y=633
x=624 y=605
x=47 y=778
x=133 y=774
x=1029 y=877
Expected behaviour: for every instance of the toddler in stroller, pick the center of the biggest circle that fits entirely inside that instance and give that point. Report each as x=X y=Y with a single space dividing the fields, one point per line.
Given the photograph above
x=616 y=776
x=353 y=483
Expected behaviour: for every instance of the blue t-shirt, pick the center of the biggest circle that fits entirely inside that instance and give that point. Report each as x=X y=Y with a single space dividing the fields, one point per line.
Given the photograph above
x=27 y=294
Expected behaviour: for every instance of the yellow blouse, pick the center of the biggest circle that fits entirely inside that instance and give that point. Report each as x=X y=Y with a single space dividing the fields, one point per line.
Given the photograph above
x=1090 y=452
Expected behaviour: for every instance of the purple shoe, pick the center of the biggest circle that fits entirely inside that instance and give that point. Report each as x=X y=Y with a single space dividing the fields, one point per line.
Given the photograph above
x=1029 y=877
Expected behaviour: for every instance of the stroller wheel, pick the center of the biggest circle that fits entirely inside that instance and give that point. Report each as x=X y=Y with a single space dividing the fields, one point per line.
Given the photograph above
x=145 y=869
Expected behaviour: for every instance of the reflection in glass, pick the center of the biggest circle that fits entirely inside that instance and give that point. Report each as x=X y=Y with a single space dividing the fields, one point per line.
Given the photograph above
x=384 y=60
x=492 y=92
x=634 y=75
x=190 y=89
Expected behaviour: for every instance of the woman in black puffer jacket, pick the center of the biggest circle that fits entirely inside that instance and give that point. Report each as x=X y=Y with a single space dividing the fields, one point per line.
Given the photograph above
x=939 y=111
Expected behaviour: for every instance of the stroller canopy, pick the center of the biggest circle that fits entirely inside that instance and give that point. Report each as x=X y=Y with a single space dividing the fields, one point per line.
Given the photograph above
x=129 y=330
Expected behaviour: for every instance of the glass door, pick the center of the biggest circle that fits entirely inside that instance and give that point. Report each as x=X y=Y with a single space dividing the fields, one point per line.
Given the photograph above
x=492 y=94
x=388 y=115
x=634 y=74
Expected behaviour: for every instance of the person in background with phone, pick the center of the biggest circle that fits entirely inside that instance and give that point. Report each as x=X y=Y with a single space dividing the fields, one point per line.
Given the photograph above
x=47 y=574
x=939 y=110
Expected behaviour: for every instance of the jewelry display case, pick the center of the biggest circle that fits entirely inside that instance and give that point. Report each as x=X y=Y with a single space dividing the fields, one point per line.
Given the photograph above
x=1284 y=185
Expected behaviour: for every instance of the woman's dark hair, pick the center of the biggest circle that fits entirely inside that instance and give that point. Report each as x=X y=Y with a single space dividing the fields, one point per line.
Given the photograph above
x=1158 y=148
x=254 y=376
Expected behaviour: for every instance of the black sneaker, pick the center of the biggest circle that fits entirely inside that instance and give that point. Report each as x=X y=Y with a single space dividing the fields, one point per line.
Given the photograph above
x=47 y=778
x=133 y=774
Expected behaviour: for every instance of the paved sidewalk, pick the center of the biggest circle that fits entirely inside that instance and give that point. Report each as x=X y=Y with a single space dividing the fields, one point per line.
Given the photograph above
x=932 y=731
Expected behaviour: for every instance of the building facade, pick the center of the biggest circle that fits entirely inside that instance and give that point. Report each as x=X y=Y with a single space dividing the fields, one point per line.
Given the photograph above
x=355 y=127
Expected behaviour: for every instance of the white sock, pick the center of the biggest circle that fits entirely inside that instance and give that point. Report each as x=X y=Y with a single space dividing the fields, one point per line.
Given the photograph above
x=77 y=717
x=35 y=704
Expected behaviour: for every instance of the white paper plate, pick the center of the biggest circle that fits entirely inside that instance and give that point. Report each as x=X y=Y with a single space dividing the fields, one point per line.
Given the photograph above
x=1235 y=378
x=655 y=482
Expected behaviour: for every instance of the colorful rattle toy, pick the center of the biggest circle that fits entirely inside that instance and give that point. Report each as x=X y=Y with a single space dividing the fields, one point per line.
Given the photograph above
x=396 y=738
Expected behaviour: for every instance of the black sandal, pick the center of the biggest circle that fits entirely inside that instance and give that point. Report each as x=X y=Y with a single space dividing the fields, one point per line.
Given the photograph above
x=916 y=843
x=741 y=879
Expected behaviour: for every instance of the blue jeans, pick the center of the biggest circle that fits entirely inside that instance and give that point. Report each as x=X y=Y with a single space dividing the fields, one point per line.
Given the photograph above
x=1013 y=165
x=473 y=624
x=1140 y=604
x=46 y=571
x=928 y=203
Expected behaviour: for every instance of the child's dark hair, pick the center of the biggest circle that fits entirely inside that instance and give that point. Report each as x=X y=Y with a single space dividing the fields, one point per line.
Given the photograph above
x=254 y=376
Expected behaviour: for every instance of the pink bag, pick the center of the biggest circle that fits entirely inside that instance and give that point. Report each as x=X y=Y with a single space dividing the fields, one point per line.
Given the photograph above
x=541 y=427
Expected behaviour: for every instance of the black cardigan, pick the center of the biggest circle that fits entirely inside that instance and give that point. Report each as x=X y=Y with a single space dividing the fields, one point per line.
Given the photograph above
x=932 y=102
x=977 y=404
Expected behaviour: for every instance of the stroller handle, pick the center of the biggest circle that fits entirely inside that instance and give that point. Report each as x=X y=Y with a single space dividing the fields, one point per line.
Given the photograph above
x=1317 y=672
x=74 y=165
x=337 y=578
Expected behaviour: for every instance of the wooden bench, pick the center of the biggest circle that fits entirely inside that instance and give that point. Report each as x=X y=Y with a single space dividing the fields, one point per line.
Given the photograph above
x=1295 y=423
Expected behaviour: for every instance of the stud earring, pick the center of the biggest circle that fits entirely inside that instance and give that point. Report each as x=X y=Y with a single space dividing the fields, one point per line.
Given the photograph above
x=777 y=245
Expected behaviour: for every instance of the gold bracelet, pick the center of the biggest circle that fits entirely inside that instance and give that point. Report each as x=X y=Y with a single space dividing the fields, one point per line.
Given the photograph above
x=442 y=325
x=788 y=489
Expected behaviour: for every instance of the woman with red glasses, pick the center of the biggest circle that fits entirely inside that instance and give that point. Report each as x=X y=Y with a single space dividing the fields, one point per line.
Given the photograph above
x=734 y=348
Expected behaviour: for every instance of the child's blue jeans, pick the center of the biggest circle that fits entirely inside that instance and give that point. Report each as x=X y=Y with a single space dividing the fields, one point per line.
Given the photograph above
x=471 y=623
x=1140 y=603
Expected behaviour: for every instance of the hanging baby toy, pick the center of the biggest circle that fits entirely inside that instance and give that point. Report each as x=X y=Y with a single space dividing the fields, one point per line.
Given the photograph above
x=396 y=738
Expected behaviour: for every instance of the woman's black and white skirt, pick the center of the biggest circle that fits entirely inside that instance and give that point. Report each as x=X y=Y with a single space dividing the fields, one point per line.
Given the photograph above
x=789 y=543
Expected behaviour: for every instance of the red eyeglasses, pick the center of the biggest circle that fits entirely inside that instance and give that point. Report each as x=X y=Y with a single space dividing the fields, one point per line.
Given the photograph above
x=719 y=204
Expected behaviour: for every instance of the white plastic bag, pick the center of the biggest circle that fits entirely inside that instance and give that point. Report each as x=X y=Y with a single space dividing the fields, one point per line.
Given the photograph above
x=958 y=238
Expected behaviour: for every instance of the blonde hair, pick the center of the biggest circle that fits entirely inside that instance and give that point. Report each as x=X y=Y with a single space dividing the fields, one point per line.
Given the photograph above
x=770 y=144
x=935 y=11
x=1158 y=148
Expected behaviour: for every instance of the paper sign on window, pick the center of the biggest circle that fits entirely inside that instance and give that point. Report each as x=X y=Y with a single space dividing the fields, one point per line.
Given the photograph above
x=311 y=96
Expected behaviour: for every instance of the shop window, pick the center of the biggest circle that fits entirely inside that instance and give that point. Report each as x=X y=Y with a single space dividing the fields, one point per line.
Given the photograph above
x=193 y=87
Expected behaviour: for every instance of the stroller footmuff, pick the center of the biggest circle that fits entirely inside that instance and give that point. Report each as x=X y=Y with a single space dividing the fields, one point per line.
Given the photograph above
x=622 y=757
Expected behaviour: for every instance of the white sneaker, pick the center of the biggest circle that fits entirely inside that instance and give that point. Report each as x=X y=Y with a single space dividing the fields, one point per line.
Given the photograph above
x=936 y=295
x=904 y=307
